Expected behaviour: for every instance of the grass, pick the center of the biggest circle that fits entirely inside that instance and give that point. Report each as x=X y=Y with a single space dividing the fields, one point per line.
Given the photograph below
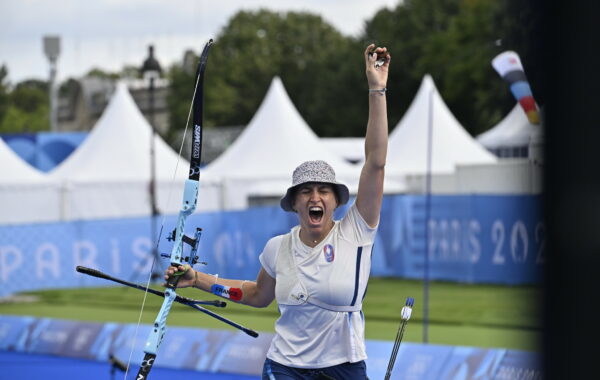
x=491 y=316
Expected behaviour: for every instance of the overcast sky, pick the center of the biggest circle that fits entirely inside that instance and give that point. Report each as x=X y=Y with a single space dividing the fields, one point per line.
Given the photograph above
x=111 y=33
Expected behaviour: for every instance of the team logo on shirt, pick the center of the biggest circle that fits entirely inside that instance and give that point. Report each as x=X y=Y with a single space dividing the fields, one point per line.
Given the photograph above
x=328 y=252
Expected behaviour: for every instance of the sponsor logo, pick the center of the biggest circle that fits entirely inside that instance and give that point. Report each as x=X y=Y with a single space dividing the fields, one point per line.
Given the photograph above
x=197 y=142
x=329 y=253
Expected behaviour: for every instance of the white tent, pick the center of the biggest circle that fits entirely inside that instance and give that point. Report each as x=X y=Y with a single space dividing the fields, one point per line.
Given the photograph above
x=451 y=144
x=261 y=160
x=512 y=132
x=14 y=169
x=26 y=195
x=118 y=147
x=108 y=176
x=351 y=149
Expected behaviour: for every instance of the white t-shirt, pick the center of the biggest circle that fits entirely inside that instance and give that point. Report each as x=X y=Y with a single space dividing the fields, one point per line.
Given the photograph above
x=336 y=272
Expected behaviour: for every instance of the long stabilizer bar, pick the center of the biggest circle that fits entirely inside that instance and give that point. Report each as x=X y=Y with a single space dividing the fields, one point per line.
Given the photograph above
x=180 y=299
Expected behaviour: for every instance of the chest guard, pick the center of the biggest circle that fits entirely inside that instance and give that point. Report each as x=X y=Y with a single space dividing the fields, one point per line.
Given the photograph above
x=324 y=278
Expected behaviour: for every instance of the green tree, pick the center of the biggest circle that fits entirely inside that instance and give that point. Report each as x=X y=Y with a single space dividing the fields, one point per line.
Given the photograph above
x=28 y=108
x=4 y=95
x=454 y=41
x=179 y=100
x=99 y=73
x=406 y=30
x=461 y=58
x=322 y=70
x=252 y=48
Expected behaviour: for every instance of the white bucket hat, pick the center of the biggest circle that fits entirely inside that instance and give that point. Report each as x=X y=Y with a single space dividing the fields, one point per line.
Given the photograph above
x=314 y=171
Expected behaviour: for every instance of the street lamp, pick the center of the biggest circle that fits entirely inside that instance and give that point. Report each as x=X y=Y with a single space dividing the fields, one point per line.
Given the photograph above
x=151 y=71
x=52 y=50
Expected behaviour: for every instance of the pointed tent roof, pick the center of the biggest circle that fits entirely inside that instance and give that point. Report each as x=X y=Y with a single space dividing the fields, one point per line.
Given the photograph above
x=274 y=143
x=14 y=169
x=513 y=131
x=451 y=144
x=26 y=195
x=118 y=147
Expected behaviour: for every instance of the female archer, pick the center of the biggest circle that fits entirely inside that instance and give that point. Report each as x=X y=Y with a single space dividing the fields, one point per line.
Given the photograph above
x=318 y=272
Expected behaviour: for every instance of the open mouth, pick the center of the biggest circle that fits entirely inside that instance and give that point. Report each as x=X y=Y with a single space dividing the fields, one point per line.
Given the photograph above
x=315 y=213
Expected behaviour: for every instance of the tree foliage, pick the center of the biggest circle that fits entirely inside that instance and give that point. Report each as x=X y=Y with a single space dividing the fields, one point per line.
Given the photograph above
x=301 y=48
x=454 y=41
x=308 y=54
x=179 y=99
x=4 y=92
x=99 y=73
x=27 y=108
x=322 y=70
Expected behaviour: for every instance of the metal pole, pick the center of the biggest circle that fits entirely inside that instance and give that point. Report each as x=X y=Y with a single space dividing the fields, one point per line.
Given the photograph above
x=153 y=218
x=52 y=51
x=427 y=217
x=52 y=95
x=150 y=71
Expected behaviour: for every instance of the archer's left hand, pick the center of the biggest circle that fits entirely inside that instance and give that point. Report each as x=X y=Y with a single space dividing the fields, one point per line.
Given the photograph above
x=188 y=275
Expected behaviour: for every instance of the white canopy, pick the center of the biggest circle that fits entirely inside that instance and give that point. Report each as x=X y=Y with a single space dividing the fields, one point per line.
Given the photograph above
x=14 y=169
x=118 y=147
x=514 y=130
x=26 y=194
x=451 y=144
x=261 y=160
x=352 y=149
x=109 y=174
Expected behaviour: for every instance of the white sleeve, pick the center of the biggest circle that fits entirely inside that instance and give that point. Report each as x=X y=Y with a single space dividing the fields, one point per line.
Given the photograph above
x=354 y=228
x=268 y=256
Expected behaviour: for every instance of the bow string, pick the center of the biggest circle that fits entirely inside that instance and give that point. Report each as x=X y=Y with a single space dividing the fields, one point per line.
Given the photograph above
x=177 y=256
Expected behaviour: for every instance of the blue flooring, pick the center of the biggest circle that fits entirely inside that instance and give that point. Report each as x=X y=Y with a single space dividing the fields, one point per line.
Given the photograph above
x=22 y=366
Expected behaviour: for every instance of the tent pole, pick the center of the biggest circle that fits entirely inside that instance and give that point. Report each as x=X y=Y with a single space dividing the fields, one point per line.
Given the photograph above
x=154 y=209
x=427 y=217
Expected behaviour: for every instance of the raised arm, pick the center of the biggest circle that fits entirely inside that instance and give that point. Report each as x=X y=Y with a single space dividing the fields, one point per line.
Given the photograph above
x=370 y=187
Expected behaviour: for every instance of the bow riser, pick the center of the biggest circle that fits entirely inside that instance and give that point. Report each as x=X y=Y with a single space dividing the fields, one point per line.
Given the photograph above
x=190 y=195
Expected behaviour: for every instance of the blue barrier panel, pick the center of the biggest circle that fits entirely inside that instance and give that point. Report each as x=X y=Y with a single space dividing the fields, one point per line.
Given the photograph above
x=520 y=365
x=230 y=244
x=13 y=332
x=473 y=238
x=227 y=351
x=420 y=361
x=60 y=337
x=378 y=353
x=466 y=363
x=494 y=239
